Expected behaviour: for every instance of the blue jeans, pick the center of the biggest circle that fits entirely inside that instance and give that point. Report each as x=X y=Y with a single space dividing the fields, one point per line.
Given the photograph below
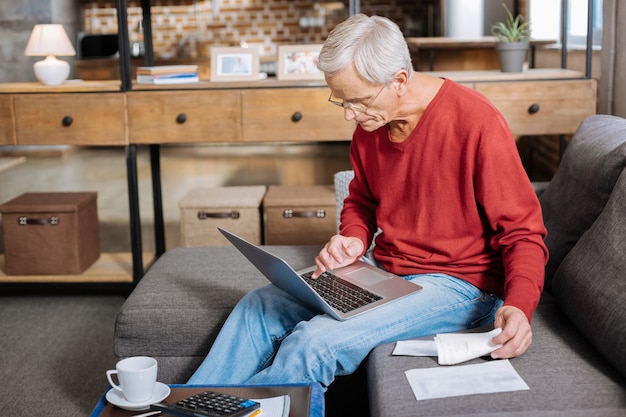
x=271 y=338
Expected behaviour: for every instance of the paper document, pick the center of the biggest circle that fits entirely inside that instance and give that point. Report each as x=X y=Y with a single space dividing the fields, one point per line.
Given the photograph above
x=450 y=348
x=274 y=406
x=417 y=347
x=482 y=378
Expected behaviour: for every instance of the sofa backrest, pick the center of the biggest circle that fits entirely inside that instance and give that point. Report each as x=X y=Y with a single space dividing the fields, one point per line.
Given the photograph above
x=579 y=190
x=342 y=182
x=590 y=283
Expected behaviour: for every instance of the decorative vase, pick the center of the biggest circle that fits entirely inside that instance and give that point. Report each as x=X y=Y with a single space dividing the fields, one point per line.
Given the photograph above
x=512 y=55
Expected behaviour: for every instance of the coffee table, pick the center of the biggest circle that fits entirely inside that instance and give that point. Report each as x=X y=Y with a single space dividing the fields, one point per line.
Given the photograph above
x=306 y=400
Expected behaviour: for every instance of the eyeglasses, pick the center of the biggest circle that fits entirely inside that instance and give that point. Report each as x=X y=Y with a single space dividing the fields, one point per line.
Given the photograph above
x=353 y=107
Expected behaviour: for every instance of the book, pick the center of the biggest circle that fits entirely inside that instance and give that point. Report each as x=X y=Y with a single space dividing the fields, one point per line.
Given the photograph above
x=167 y=69
x=276 y=401
x=168 y=79
x=273 y=407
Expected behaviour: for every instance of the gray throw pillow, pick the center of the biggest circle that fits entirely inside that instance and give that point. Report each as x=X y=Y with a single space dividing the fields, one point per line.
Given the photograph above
x=581 y=186
x=590 y=284
x=342 y=183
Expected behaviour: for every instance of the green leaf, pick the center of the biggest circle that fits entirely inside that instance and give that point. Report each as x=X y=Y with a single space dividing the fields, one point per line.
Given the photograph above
x=514 y=29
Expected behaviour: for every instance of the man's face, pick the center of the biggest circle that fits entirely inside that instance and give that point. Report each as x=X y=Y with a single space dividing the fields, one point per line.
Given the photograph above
x=361 y=102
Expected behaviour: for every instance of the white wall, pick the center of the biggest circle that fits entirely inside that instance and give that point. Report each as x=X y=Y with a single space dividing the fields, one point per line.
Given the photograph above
x=472 y=18
x=17 y=18
x=613 y=77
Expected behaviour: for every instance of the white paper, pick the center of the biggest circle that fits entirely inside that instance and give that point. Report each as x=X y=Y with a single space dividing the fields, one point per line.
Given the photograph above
x=450 y=348
x=415 y=348
x=453 y=381
x=453 y=348
x=274 y=406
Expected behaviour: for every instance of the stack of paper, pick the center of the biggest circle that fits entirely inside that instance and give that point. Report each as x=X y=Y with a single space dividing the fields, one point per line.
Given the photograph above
x=273 y=407
x=168 y=74
x=451 y=348
x=451 y=381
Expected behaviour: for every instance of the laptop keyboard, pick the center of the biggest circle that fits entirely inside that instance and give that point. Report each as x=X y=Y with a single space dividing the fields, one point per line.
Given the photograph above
x=339 y=293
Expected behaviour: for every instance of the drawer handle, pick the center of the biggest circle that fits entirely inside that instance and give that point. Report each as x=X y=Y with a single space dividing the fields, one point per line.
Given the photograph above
x=181 y=118
x=24 y=221
x=203 y=215
x=67 y=121
x=296 y=117
x=534 y=108
x=319 y=213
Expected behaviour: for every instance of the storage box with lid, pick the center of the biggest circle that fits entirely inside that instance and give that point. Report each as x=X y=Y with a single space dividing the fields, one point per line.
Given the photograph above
x=236 y=209
x=54 y=233
x=299 y=215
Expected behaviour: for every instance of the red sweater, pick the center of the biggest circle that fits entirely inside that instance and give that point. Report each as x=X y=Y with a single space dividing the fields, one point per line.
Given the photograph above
x=452 y=198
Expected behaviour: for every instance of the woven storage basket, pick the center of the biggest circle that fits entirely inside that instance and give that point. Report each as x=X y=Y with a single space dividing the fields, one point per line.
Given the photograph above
x=50 y=233
x=299 y=215
x=236 y=209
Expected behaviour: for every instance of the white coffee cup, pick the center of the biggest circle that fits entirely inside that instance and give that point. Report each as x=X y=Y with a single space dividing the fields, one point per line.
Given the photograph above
x=137 y=376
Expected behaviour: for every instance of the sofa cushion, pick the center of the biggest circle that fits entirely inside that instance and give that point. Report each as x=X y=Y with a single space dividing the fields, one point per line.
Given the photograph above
x=581 y=186
x=565 y=374
x=181 y=303
x=590 y=284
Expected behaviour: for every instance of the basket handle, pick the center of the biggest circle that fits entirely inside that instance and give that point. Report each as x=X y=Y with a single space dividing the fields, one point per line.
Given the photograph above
x=319 y=213
x=203 y=215
x=25 y=221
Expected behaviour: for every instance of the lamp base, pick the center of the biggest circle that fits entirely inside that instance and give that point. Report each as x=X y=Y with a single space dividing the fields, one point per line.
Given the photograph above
x=51 y=71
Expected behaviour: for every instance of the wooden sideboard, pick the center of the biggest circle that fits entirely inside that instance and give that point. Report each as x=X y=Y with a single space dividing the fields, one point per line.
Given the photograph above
x=98 y=113
x=535 y=102
x=540 y=101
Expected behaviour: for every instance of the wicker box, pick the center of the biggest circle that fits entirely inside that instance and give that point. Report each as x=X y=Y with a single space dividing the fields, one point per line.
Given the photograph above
x=50 y=233
x=236 y=209
x=299 y=215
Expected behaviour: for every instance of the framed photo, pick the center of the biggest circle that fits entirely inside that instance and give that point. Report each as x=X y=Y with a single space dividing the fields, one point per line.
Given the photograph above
x=234 y=64
x=299 y=62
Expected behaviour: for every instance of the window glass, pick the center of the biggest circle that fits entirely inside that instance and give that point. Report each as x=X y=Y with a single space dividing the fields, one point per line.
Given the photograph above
x=545 y=20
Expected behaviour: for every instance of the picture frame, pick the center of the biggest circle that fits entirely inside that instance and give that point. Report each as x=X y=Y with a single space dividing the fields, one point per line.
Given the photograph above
x=298 y=62
x=234 y=64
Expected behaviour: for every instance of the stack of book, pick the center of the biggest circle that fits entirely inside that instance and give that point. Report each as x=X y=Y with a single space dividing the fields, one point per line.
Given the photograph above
x=168 y=74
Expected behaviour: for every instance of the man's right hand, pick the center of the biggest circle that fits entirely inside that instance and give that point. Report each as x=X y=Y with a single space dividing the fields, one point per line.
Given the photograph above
x=339 y=251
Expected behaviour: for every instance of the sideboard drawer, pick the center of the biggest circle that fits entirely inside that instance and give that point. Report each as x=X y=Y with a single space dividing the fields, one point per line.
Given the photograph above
x=7 y=131
x=542 y=107
x=70 y=119
x=292 y=114
x=184 y=116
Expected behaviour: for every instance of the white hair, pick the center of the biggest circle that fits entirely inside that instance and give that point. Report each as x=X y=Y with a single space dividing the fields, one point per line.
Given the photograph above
x=374 y=45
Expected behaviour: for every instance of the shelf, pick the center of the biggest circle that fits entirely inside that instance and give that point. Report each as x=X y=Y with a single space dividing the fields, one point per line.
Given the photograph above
x=70 y=86
x=441 y=42
x=109 y=268
x=534 y=74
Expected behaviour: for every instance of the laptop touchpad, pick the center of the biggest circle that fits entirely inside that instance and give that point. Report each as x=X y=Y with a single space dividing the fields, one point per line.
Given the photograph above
x=366 y=276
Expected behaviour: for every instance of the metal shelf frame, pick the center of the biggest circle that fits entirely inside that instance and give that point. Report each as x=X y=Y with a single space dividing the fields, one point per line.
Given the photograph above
x=131 y=150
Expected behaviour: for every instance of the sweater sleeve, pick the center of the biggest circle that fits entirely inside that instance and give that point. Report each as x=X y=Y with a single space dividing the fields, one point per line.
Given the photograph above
x=514 y=215
x=358 y=217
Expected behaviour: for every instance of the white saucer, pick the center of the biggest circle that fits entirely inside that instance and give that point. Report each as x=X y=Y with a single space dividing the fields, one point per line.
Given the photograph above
x=161 y=391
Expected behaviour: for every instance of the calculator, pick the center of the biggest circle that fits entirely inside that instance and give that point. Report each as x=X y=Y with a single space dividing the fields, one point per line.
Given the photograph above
x=209 y=404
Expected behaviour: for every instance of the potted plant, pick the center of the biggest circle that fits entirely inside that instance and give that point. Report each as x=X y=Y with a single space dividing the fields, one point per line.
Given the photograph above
x=511 y=41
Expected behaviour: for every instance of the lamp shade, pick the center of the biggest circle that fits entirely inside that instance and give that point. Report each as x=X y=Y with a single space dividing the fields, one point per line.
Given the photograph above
x=49 y=39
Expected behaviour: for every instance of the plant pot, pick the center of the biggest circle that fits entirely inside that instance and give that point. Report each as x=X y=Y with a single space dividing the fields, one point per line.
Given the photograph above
x=512 y=55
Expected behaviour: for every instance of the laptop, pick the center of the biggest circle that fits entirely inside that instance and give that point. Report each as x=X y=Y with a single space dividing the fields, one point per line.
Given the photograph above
x=362 y=287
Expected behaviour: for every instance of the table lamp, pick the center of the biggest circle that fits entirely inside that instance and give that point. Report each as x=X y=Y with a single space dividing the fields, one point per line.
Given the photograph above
x=49 y=40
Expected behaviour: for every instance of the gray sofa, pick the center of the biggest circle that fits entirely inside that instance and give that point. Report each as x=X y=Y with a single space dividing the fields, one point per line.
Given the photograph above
x=575 y=367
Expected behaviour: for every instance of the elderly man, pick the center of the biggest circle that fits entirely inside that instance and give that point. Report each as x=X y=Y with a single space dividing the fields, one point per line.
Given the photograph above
x=437 y=170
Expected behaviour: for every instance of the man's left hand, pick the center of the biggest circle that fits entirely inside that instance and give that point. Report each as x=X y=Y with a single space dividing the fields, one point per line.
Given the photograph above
x=516 y=336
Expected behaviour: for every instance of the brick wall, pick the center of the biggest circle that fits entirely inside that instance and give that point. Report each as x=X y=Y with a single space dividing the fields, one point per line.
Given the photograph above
x=189 y=27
